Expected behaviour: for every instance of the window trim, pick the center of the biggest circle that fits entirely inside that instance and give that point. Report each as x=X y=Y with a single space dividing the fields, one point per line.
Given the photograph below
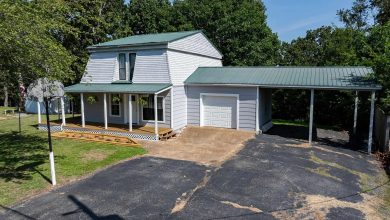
x=119 y=66
x=163 y=105
x=110 y=103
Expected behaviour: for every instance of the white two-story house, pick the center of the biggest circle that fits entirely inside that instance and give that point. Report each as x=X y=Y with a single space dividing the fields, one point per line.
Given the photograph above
x=178 y=79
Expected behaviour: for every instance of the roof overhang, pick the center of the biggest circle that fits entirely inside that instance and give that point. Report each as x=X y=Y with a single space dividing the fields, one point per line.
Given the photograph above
x=354 y=88
x=130 y=88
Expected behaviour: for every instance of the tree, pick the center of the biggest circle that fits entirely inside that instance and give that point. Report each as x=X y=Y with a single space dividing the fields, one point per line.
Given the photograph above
x=28 y=49
x=237 y=28
x=92 y=22
x=149 y=16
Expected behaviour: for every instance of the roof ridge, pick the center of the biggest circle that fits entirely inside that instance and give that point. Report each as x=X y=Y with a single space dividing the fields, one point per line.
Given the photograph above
x=192 y=32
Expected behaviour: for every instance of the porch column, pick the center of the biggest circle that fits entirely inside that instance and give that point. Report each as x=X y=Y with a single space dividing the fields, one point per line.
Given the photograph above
x=371 y=121
x=155 y=117
x=105 y=111
x=82 y=110
x=39 y=112
x=130 y=113
x=63 y=111
x=311 y=116
x=355 y=112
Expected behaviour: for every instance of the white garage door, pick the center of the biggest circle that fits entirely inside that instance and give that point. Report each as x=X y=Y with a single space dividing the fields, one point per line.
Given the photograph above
x=219 y=111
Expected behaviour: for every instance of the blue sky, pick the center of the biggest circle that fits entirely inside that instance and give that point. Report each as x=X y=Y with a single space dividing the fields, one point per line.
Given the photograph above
x=292 y=18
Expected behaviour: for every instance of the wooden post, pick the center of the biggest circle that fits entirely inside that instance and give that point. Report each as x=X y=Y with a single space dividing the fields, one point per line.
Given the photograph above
x=155 y=117
x=39 y=112
x=105 y=111
x=130 y=113
x=355 y=112
x=371 y=122
x=51 y=154
x=311 y=116
x=82 y=110
x=63 y=111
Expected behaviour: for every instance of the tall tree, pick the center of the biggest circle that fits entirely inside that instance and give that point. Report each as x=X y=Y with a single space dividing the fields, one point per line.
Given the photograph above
x=149 y=16
x=28 y=49
x=238 y=28
x=92 y=22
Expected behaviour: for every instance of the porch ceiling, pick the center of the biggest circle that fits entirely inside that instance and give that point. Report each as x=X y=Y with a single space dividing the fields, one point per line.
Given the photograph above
x=136 y=88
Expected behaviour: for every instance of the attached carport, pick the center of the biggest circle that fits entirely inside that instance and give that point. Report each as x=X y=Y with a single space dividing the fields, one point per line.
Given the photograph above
x=307 y=78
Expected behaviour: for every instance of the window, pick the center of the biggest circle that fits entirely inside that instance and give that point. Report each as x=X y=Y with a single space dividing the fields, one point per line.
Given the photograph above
x=115 y=103
x=148 y=108
x=132 y=64
x=122 y=66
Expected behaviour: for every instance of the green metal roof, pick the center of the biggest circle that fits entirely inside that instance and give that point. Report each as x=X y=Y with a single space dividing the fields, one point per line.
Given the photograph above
x=351 y=78
x=138 y=88
x=147 y=39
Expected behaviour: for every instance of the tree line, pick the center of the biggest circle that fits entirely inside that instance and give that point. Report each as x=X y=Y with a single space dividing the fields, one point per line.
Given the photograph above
x=49 y=38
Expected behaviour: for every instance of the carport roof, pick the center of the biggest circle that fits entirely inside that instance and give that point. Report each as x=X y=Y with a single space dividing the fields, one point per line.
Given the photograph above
x=348 y=78
x=117 y=87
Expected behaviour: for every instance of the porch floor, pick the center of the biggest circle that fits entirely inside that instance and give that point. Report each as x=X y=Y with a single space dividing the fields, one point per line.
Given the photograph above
x=76 y=122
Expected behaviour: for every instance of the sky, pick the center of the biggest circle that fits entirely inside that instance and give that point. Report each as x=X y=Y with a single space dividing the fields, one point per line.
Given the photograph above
x=292 y=18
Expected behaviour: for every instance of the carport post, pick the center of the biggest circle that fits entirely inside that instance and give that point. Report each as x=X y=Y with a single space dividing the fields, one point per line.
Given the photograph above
x=105 y=111
x=355 y=112
x=311 y=116
x=82 y=110
x=371 y=121
x=155 y=117
x=257 y=110
x=130 y=113
x=39 y=112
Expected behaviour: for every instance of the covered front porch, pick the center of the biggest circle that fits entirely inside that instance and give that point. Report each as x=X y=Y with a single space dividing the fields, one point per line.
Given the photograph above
x=121 y=108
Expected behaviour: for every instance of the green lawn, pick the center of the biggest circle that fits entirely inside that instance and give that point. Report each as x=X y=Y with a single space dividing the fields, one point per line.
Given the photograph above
x=24 y=159
x=303 y=123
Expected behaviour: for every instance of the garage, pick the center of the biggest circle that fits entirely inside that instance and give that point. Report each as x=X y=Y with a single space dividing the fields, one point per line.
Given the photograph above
x=219 y=110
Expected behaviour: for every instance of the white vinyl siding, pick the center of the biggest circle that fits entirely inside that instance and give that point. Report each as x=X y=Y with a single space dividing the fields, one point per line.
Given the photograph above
x=100 y=68
x=179 y=113
x=151 y=66
x=182 y=65
x=197 y=44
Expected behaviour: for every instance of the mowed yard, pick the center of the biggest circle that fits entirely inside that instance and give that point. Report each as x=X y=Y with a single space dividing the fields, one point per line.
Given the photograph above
x=24 y=158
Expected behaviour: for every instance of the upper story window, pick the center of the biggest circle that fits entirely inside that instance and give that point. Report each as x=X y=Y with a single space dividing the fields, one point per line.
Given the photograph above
x=132 y=64
x=122 y=66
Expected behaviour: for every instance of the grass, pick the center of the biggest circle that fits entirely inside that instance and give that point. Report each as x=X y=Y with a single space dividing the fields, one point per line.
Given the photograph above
x=303 y=124
x=24 y=159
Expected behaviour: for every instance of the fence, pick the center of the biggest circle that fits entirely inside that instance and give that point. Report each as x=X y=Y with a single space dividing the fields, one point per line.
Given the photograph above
x=382 y=129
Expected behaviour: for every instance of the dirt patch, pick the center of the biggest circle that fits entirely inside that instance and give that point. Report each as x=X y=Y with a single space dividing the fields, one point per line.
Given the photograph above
x=333 y=151
x=300 y=145
x=238 y=206
x=185 y=197
x=95 y=155
x=318 y=206
x=208 y=146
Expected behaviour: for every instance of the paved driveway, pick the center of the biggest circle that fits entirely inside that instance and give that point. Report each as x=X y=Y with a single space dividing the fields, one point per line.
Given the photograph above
x=270 y=178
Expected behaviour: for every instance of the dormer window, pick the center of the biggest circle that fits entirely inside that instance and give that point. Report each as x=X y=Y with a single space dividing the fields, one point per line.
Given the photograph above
x=122 y=66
